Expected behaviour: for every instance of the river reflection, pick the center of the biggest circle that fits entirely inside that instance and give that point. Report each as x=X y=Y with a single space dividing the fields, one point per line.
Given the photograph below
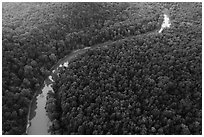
x=38 y=122
x=39 y=125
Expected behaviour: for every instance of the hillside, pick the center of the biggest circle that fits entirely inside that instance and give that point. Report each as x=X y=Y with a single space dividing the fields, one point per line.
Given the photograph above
x=139 y=81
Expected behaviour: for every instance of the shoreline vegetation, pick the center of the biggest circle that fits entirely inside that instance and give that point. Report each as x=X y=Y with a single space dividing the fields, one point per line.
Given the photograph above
x=37 y=36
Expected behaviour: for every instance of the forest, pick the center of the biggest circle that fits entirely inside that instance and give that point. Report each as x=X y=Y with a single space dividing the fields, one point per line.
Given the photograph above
x=137 y=82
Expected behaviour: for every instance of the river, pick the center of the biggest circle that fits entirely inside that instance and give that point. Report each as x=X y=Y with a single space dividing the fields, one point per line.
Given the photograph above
x=38 y=122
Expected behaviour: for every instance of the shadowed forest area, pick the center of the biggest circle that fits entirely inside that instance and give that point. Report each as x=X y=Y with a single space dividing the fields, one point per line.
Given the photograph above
x=137 y=81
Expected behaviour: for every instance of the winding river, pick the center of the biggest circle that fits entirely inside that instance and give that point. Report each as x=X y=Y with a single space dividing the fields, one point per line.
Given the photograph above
x=38 y=122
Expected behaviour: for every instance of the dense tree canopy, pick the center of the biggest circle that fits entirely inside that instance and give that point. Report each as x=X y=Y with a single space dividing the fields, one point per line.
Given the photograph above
x=139 y=64
x=150 y=86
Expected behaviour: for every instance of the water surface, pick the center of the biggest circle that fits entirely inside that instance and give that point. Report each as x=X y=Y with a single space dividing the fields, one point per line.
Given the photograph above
x=39 y=125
